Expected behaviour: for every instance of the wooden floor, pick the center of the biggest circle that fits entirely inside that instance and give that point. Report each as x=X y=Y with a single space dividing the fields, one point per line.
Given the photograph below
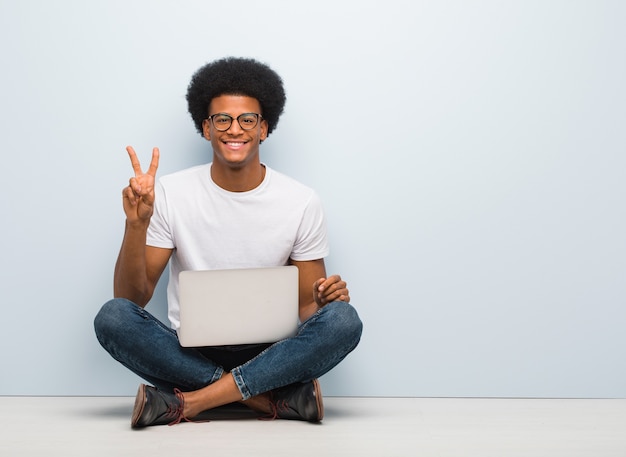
x=95 y=426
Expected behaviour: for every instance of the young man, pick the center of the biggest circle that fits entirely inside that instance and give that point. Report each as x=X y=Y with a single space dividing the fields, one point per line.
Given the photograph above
x=234 y=212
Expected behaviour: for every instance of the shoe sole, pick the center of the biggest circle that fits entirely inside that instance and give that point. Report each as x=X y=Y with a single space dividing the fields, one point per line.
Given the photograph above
x=318 y=399
x=140 y=403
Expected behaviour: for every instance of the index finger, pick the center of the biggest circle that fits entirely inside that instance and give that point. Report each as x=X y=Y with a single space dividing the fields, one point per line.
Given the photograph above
x=134 y=161
x=331 y=280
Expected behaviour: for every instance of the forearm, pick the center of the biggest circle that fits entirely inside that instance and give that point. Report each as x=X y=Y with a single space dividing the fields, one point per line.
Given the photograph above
x=307 y=310
x=131 y=278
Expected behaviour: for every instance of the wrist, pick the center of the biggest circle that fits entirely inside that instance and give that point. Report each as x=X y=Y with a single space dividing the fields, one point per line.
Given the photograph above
x=137 y=224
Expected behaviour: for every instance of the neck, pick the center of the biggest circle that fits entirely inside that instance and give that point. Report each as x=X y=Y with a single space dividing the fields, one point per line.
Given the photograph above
x=238 y=179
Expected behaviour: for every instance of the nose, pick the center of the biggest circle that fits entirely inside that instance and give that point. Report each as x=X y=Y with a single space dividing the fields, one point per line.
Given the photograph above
x=234 y=128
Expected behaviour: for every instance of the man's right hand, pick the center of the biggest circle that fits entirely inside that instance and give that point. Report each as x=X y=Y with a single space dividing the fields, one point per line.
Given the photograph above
x=138 y=197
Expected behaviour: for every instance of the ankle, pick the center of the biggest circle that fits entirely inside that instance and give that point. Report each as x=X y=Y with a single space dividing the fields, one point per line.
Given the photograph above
x=261 y=403
x=190 y=405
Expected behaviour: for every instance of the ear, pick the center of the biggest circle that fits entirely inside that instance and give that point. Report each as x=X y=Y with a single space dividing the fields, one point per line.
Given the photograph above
x=264 y=129
x=206 y=129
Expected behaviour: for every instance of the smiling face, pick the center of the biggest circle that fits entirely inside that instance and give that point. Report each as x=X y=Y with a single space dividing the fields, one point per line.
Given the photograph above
x=235 y=148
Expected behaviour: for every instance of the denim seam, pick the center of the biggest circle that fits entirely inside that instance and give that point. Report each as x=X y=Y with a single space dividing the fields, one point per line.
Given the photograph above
x=219 y=372
x=241 y=384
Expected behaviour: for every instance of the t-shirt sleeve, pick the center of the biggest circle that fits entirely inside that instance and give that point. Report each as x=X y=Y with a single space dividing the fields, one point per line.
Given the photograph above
x=312 y=237
x=159 y=231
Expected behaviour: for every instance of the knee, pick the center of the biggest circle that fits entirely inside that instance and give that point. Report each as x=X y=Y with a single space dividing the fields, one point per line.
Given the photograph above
x=112 y=317
x=347 y=321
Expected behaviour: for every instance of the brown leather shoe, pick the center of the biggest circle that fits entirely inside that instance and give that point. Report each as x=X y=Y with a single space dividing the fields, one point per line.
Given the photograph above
x=299 y=401
x=153 y=407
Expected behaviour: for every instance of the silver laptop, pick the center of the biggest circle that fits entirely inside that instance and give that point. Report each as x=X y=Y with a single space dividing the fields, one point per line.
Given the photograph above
x=239 y=306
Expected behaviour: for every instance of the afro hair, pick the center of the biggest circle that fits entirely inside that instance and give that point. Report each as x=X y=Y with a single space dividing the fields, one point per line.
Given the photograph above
x=236 y=76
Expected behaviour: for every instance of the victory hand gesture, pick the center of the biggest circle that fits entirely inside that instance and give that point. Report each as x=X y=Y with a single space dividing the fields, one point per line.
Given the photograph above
x=138 y=197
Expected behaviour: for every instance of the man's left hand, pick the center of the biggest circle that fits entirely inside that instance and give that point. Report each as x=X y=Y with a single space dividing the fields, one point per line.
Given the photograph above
x=333 y=288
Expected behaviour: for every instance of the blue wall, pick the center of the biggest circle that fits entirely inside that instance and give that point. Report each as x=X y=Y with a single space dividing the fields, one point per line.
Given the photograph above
x=470 y=155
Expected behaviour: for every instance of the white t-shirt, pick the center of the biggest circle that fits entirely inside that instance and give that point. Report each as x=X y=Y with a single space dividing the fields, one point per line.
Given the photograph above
x=211 y=228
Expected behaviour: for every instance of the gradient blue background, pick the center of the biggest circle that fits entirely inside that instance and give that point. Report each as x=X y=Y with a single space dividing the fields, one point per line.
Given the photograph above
x=470 y=156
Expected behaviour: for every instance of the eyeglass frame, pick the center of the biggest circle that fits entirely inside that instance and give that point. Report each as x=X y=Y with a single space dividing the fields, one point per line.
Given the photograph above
x=259 y=119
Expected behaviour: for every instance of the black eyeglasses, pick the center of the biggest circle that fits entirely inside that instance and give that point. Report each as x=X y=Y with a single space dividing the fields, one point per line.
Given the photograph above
x=223 y=121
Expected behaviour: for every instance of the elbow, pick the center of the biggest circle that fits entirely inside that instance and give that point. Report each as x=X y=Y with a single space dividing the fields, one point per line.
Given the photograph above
x=140 y=297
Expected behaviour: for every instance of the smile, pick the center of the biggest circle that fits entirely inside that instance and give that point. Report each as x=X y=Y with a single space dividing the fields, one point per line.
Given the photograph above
x=235 y=144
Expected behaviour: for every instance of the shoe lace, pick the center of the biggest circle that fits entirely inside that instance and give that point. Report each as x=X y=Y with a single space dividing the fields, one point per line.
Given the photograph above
x=282 y=406
x=175 y=411
x=276 y=408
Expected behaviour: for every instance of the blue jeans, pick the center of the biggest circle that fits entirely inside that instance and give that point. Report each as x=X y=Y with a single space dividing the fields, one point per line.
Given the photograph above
x=146 y=346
